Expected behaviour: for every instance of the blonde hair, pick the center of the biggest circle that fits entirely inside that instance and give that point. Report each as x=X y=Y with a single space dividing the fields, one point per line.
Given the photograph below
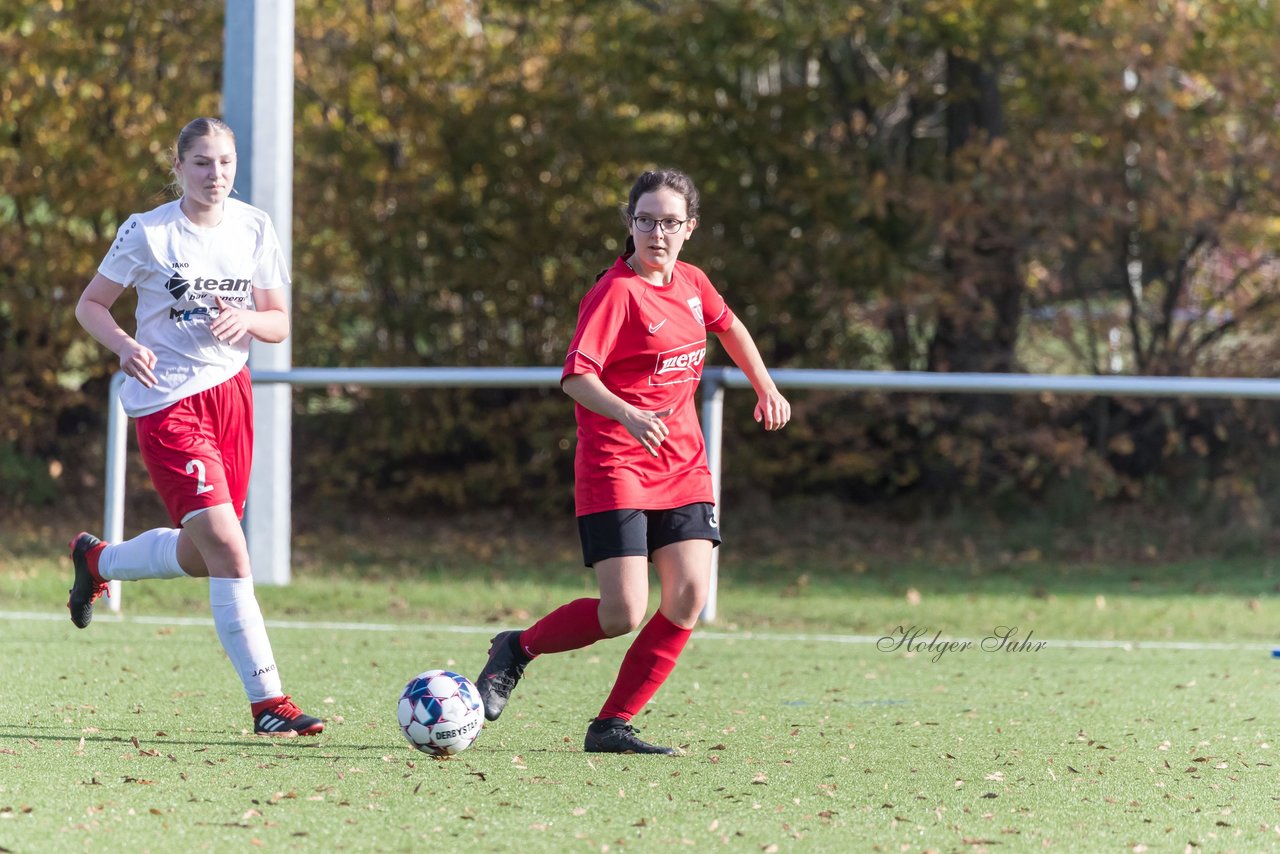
x=195 y=129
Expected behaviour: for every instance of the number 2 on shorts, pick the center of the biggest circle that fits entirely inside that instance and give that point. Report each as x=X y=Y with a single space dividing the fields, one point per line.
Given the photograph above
x=198 y=467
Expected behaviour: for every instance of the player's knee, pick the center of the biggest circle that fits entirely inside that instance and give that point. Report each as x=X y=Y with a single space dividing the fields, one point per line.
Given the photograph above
x=683 y=606
x=620 y=619
x=685 y=614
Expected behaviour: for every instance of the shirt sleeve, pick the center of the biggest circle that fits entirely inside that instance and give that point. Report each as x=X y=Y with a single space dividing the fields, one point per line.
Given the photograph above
x=129 y=254
x=716 y=314
x=601 y=316
x=272 y=271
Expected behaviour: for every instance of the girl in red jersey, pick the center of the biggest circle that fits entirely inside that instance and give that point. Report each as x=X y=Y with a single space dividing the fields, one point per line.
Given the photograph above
x=643 y=489
x=209 y=276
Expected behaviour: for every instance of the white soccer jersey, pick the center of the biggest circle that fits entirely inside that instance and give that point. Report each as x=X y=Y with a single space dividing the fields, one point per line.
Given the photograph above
x=179 y=269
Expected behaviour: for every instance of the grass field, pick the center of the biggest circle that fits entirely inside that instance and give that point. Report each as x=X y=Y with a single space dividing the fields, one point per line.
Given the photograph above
x=1146 y=721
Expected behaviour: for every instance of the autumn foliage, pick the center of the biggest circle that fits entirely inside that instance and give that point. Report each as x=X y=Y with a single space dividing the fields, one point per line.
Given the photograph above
x=985 y=185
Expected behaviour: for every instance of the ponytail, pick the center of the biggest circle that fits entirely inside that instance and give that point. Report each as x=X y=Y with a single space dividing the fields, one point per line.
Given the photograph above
x=626 y=253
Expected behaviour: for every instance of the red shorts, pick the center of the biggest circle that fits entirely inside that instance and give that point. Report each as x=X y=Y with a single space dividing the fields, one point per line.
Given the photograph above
x=199 y=450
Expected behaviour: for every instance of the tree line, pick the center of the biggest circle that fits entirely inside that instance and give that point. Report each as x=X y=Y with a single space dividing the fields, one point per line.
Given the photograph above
x=970 y=185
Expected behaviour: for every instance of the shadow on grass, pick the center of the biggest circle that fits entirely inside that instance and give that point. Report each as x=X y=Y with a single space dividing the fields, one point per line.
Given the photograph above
x=321 y=747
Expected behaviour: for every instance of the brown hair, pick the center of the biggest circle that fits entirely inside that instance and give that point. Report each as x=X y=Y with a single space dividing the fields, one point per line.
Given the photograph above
x=656 y=179
x=672 y=179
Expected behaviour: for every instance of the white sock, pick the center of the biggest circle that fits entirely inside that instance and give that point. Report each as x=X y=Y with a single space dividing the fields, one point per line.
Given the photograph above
x=153 y=554
x=243 y=633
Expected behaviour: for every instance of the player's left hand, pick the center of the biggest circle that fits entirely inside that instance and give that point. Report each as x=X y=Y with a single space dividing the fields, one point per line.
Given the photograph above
x=231 y=324
x=773 y=410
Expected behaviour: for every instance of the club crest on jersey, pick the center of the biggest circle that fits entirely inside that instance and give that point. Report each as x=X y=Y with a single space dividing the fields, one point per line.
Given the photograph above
x=177 y=286
x=679 y=365
x=695 y=305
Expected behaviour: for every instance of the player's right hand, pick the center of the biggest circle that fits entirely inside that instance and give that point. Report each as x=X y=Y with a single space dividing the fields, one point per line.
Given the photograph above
x=648 y=428
x=137 y=361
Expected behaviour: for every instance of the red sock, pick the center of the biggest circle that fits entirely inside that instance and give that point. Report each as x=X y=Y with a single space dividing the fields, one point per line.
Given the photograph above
x=91 y=558
x=262 y=705
x=645 y=667
x=570 y=626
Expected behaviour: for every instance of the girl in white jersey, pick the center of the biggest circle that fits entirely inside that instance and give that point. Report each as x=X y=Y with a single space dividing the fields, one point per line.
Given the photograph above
x=209 y=276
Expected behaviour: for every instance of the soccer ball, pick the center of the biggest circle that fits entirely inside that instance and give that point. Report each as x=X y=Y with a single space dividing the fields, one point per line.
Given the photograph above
x=440 y=712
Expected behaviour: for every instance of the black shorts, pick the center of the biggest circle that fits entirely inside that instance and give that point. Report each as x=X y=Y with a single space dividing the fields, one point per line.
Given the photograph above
x=619 y=533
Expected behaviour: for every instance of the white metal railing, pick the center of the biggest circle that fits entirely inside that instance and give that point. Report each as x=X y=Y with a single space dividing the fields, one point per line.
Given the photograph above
x=714 y=381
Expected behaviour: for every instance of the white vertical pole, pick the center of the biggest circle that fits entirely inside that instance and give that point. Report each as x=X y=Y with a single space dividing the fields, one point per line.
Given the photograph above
x=257 y=96
x=712 y=431
x=117 y=450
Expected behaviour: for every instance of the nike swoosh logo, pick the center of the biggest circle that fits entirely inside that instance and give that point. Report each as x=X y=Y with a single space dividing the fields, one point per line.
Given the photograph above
x=654 y=327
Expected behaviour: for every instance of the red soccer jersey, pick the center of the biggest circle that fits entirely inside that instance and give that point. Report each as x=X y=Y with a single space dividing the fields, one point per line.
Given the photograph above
x=647 y=344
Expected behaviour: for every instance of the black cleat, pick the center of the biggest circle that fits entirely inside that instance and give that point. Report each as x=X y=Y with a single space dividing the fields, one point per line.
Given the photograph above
x=501 y=673
x=286 y=719
x=85 y=589
x=614 y=735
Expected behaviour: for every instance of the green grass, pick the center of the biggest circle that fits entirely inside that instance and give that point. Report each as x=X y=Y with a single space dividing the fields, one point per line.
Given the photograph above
x=796 y=736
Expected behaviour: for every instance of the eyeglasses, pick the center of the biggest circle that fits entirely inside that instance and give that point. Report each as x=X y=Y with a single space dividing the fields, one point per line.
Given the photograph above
x=646 y=224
